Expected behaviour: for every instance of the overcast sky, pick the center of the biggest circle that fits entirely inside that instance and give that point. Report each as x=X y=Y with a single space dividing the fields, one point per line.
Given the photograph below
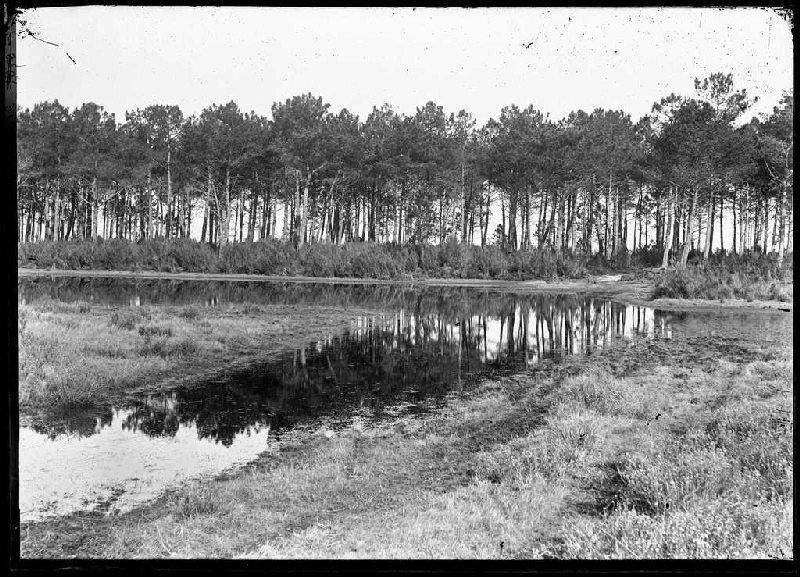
x=478 y=59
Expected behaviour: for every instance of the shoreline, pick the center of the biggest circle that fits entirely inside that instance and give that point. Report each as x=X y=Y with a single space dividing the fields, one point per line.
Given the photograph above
x=636 y=292
x=240 y=277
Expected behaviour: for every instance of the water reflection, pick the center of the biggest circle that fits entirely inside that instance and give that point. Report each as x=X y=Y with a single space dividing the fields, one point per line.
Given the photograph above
x=412 y=357
x=426 y=343
x=153 y=417
x=81 y=424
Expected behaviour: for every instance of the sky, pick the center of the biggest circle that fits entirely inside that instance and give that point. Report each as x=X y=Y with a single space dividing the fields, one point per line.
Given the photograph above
x=558 y=59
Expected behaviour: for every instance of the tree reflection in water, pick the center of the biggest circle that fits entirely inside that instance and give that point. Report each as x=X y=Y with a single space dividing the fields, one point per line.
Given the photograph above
x=80 y=423
x=433 y=343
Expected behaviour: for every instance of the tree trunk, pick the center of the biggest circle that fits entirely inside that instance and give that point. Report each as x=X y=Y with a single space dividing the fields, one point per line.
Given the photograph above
x=95 y=208
x=767 y=244
x=223 y=212
x=614 y=219
x=757 y=221
x=241 y=215
x=273 y=217
x=56 y=212
x=733 y=209
x=441 y=216
x=286 y=221
x=502 y=221
x=659 y=226
x=606 y=238
x=400 y=217
x=549 y=226
x=685 y=254
x=183 y=213
x=29 y=223
x=721 y=209
x=528 y=201
x=485 y=216
x=588 y=217
x=637 y=220
x=168 y=217
x=558 y=240
x=265 y=213
x=207 y=211
x=774 y=238
x=744 y=216
x=149 y=204
x=709 y=225
x=372 y=217
x=70 y=225
x=782 y=221
x=513 y=201
x=670 y=209
x=465 y=205
x=297 y=219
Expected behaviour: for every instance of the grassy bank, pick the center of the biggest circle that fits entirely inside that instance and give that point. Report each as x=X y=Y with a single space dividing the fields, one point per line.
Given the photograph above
x=678 y=448
x=750 y=276
x=77 y=355
x=746 y=277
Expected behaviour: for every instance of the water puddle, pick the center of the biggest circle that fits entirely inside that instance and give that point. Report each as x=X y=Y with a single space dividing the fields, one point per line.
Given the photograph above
x=117 y=466
x=425 y=346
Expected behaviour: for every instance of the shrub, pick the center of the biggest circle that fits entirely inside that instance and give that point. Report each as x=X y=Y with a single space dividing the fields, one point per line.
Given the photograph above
x=163 y=347
x=188 y=255
x=490 y=261
x=647 y=256
x=22 y=320
x=67 y=307
x=324 y=260
x=754 y=279
x=189 y=313
x=740 y=272
x=372 y=261
x=199 y=501
x=125 y=319
x=155 y=331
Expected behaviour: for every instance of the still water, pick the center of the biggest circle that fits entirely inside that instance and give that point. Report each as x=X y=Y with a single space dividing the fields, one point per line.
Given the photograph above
x=424 y=345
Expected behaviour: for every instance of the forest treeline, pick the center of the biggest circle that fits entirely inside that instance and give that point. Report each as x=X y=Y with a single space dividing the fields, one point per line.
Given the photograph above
x=590 y=184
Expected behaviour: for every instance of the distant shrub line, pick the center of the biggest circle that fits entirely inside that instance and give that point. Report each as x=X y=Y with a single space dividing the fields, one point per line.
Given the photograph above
x=751 y=276
x=275 y=257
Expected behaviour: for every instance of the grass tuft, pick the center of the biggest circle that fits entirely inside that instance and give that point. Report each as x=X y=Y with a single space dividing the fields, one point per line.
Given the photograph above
x=150 y=331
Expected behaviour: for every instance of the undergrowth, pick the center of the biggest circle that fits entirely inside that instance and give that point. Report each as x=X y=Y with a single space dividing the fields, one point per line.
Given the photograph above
x=275 y=257
x=750 y=277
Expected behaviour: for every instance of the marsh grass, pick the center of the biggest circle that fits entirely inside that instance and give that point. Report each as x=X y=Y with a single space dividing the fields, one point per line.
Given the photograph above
x=677 y=456
x=71 y=357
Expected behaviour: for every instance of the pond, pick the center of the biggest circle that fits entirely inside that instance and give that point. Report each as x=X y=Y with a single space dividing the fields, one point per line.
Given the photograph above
x=423 y=345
